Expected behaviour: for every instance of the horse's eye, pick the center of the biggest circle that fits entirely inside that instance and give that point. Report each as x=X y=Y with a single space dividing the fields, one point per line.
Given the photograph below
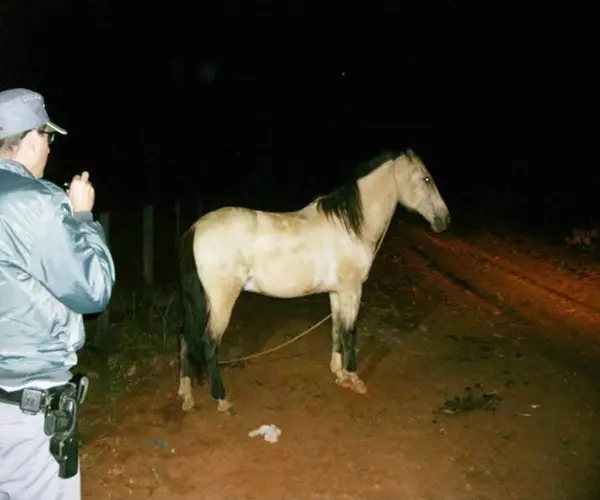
x=427 y=179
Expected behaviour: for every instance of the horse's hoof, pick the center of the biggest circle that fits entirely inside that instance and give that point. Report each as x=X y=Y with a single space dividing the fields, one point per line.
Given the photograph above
x=188 y=404
x=344 y=383
x=356 y=384
x=359 y=387
x=185 y=393
x=353 y=383
x=224 y=406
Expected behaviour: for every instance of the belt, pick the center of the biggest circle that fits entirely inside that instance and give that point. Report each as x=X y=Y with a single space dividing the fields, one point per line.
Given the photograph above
x=30 y=400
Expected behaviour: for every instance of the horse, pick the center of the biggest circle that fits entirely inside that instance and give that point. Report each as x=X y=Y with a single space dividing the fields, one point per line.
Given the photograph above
x=327 y=246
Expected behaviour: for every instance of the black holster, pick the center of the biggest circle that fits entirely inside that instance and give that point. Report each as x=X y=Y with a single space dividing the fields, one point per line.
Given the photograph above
x=61 y=425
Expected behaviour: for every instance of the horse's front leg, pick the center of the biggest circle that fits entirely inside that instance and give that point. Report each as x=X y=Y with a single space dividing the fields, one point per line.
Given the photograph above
x=336 y=365
x=344 y=313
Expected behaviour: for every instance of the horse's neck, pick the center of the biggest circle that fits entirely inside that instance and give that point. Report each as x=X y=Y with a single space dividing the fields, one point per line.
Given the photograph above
x=379 y=200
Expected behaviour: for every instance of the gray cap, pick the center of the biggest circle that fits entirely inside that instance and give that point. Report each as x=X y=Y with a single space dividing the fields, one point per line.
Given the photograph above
x=22 y=110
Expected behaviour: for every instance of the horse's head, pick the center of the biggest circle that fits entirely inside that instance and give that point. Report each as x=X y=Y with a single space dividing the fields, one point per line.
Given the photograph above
x=417 y=191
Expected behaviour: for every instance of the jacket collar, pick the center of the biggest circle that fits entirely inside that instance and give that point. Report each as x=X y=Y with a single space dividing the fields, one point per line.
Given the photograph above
x=14 y=167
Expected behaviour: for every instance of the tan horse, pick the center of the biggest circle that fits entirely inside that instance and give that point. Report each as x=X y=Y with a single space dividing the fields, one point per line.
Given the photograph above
x=326 y=247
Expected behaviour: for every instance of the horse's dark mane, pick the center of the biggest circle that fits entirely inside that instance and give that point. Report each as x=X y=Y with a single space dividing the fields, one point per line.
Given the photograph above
x=344 y=202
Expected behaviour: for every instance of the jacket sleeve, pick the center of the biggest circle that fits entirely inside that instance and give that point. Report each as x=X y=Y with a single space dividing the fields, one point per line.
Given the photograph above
x=72 y=259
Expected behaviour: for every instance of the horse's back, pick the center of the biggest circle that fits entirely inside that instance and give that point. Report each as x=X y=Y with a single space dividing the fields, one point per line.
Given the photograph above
x=241 y=220
x=225 y=220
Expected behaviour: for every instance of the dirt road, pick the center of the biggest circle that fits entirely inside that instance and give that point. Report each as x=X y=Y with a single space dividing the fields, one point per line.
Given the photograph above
x=481 y=361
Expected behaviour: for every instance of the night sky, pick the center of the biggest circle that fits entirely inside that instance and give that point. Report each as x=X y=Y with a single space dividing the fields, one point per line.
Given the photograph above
x=280 y=99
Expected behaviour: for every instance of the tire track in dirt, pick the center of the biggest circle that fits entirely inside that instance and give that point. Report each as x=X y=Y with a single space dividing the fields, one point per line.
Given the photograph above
x=454 y=259
x=557 y=317
x=515 y=270
x=459 y=281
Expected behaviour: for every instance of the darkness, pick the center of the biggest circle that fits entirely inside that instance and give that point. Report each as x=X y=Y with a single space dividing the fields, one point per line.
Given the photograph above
x=270 y=103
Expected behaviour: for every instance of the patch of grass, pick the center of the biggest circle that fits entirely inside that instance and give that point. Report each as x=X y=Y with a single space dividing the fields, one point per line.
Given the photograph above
x=150 y=316
x=141 y=331
x=469 y=402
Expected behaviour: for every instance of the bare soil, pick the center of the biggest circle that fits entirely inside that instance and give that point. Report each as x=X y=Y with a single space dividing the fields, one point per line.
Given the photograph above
x=512 y=332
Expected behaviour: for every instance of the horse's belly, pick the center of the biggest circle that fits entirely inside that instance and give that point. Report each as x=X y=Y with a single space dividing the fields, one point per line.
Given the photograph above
x=290 y=268
x=287 y=286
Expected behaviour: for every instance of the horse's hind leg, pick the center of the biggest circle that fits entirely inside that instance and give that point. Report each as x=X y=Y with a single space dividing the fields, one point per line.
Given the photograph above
x=185 y=376
x=222 y=304
x=344 y=311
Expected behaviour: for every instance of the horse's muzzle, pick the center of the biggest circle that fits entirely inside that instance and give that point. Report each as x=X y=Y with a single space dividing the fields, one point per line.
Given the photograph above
x=440 y=223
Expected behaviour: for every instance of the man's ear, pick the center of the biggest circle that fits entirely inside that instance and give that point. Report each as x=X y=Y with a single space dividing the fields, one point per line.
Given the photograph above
x=26 y=144
x=30 y=141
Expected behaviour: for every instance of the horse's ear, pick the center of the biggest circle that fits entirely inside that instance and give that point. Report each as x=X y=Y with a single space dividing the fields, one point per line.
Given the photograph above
x=410 y=154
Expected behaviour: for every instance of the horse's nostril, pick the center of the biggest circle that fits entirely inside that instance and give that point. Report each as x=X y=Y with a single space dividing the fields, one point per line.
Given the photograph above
x=441 y=223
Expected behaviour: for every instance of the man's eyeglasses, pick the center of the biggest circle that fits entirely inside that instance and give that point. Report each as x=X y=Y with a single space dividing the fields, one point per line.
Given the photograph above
x=50 y=135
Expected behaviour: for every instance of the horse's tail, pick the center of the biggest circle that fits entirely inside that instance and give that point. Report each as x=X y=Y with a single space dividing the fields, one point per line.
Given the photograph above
x=195 y=307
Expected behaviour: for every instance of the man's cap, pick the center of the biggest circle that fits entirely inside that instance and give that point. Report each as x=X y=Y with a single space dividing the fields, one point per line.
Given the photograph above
x=22 y=110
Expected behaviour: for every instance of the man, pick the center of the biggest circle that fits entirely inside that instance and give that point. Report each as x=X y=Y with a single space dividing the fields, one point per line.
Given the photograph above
x=55 y=266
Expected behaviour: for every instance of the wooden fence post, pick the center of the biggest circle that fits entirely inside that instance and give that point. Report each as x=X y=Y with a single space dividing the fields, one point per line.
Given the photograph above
x=148 y=245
